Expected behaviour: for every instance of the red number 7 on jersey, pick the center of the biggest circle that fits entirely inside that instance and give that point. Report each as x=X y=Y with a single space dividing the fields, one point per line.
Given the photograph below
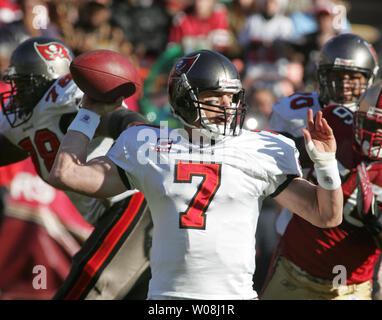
x=195 y=215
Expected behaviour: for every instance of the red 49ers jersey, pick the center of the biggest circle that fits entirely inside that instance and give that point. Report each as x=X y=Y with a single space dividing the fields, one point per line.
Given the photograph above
x=317 y=250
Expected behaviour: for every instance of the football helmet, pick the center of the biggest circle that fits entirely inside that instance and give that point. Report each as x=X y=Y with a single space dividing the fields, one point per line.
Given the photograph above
x=34 y=65
x=351 y=54
x=368 y=123
x=201 y=71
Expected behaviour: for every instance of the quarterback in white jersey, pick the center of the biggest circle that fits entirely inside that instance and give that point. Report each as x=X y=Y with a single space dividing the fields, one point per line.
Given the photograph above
x=204 y=184
x=205 y=205
x=36 y=112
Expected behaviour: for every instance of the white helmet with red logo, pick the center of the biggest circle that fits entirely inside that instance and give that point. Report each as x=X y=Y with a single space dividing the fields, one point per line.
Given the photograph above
x=34 y=65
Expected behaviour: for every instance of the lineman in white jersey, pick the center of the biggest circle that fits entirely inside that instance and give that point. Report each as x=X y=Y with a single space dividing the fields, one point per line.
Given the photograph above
x=37 y=111
x=205 y=184
x=347 y=66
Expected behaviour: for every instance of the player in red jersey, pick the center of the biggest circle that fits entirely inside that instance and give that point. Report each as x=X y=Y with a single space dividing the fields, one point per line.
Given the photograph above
x=338 y=263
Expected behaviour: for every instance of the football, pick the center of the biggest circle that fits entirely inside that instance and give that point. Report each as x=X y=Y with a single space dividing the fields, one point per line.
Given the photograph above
x=105 y=75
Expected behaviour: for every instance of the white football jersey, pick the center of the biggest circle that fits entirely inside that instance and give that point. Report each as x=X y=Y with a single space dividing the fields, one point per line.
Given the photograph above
x=41 y=137
x=289 y=113
x=205 y=203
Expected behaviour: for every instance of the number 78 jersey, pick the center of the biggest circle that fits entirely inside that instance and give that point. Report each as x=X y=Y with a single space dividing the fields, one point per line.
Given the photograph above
x=205 y=202
x=42 y=134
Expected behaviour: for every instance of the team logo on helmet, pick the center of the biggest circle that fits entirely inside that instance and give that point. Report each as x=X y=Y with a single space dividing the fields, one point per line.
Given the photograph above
x=185 y=64
x=51 y=51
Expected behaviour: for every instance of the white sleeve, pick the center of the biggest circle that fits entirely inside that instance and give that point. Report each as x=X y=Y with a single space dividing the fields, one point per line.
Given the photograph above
x=284 y=119
x=278 y=123
x=124 y=153
x=62 y=97
x=285 y=164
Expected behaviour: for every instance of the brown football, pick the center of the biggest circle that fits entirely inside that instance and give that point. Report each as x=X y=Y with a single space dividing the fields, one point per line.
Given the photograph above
x=105 y=75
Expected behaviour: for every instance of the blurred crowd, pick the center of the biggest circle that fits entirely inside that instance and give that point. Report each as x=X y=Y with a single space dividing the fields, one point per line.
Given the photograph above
x=273 y=43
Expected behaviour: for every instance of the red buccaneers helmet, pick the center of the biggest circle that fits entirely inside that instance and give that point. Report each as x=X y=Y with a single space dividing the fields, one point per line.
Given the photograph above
x=368 y=123
x=345 y=53
x=34 y=66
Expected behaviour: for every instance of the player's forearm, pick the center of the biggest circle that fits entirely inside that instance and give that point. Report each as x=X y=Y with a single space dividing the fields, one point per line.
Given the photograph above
x=70 y=157
x=330 y=206
x=322 y=208
x=97 y=178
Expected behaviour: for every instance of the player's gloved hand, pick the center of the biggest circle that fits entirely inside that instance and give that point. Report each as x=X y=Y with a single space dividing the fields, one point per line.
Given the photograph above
x=321 y=147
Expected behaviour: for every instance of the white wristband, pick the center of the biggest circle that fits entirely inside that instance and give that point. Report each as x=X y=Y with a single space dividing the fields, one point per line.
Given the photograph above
x=326 y=167
x=328 y=177
x=86 y=122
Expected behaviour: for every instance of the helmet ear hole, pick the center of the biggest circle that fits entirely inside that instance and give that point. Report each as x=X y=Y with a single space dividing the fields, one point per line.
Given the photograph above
x=189 y=112
x=192 y=113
